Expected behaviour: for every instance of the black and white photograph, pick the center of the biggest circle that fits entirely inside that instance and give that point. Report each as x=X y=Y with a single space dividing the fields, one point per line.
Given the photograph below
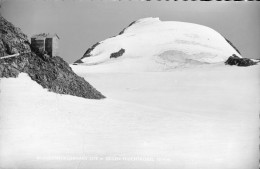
x=129 y=84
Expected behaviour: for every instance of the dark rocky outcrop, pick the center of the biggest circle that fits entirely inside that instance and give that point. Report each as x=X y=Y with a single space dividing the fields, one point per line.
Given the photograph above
x=123 y=31
x=12 y=40
x=232 y=45
x=235 y=60
x=87 y=53
x=52 y=73
x=117 y=54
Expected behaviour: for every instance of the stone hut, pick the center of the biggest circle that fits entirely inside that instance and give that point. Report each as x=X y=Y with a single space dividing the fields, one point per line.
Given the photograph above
x=46 y=42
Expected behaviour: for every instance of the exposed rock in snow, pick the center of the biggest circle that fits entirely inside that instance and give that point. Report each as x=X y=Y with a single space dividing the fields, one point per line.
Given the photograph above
x=51 y=73
x=235 y=60
x=117 y=54
x=147 y=42
x=87 y=53
x=233 y=46
x=123 y=31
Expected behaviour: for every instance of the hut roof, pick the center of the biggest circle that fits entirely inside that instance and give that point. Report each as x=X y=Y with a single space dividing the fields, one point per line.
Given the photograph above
x=44 y=36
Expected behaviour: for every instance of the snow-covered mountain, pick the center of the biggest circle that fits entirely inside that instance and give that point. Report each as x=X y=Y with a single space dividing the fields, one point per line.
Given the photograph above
x=152 y=45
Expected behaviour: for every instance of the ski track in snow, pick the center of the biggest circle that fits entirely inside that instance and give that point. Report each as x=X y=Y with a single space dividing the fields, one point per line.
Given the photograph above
x=199 y=117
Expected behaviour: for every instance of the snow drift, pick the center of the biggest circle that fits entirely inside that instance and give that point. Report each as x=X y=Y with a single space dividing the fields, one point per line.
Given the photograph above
x=196 y=117
x=153 y=45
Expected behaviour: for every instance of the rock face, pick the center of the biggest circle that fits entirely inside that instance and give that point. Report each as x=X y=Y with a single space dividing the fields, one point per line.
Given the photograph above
x=12 y=39
x=51 y=73
x=87 y=53
x=117 y=54
x=233 y=46
x=123 y=31
x=235 y=60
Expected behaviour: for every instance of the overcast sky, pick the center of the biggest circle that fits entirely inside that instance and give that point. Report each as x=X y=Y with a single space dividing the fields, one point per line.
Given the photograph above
x=80 y=24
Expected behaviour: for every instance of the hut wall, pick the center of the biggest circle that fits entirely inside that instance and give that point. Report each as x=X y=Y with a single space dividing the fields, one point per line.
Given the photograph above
x=55 y=46
x=38 y=44
x=48 y=46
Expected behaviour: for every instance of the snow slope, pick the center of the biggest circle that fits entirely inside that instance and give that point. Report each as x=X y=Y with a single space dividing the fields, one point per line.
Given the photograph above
x=203 y=117
x=154 y=45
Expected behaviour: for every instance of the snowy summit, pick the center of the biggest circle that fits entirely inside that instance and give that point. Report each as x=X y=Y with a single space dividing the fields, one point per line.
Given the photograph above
x=152 y=45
